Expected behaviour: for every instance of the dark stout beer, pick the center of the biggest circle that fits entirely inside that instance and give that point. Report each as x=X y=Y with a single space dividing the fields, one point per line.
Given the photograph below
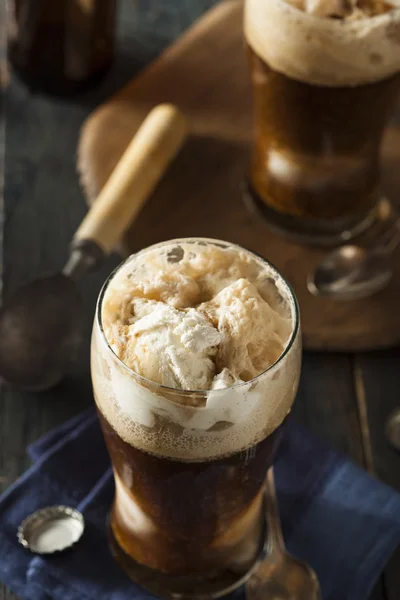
x=199 y=520
x=316 y=152
x=61 y=47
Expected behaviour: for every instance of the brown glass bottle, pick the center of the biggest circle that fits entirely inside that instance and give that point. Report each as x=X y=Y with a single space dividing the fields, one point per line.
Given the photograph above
x=61 y=47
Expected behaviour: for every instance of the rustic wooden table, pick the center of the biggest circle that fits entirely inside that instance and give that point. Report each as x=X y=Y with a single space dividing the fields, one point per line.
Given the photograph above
x=345 y=398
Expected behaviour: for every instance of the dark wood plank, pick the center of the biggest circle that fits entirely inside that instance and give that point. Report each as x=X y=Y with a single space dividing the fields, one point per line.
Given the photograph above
x=391 y=577
x=379 y=591
x=326 y=402
x=377 y=379
x=377 y=382
x=6 y=594
x=43 y=207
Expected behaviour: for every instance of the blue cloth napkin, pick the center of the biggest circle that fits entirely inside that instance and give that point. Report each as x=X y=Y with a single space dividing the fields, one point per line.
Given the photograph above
x=335 y=516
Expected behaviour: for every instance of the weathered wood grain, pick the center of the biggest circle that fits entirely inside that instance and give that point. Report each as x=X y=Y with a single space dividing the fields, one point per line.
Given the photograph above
x=377 y=380
x=44 y=205
x=377 y=385
x=325 y=402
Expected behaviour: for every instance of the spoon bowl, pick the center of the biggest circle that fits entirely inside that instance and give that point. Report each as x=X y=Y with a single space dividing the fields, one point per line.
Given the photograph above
x=365 y=277
x=355 y=272
x=283 y=577
x=393 y=429
x=340 y=264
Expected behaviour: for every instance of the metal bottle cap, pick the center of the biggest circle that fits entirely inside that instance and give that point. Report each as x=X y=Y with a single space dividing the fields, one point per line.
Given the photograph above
x=51 y=529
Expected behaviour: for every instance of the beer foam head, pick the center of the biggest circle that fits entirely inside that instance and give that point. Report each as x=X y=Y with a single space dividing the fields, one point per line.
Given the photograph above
x=316 y=49
x=221 y=280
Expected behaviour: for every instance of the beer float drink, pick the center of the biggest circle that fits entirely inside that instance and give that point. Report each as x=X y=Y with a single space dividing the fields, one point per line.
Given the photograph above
x=195 y=363
x=325 y=75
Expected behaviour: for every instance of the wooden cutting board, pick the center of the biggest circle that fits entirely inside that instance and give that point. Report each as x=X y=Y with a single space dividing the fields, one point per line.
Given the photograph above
x=205 y=74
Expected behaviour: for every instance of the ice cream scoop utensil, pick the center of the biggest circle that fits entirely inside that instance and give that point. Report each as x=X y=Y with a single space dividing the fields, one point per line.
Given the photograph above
x=40 y=325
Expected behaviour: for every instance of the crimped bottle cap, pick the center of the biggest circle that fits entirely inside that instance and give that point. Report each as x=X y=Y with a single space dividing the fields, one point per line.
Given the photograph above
x=51 y=529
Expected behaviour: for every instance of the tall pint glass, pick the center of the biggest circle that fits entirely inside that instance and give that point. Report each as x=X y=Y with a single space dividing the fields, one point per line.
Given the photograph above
x=325 y=77
x=190 y=465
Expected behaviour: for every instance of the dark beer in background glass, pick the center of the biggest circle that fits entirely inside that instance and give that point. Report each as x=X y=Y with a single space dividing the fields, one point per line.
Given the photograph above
x=324 y=86
x=61 y=47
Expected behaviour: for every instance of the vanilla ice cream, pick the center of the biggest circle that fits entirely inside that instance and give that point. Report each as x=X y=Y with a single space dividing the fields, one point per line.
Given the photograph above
x=158 y=325
x=170 y=346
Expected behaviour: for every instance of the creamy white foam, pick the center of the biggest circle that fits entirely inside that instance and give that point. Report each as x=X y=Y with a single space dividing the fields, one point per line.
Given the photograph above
x=209 y=424
x=320 y=50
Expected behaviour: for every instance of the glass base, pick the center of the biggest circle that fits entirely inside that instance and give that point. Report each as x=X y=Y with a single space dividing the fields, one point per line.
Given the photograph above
x=180 y=587
x=314 y=232
x=59 y=86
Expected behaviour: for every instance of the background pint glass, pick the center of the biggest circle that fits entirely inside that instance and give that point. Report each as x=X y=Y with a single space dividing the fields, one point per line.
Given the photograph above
x=188 y=512
x=323 y=89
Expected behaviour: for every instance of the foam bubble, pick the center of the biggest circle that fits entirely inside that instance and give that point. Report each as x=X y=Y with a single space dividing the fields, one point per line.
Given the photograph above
x=324 y=51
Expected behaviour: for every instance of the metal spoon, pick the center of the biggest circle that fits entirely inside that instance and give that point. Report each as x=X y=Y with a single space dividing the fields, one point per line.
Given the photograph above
x=280 y=576
x=355 y=272
x=40 y=326
x=393 y=429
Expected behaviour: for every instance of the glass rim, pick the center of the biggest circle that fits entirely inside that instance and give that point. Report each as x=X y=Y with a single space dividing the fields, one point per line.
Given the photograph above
x=340 y=23
x=193 y=393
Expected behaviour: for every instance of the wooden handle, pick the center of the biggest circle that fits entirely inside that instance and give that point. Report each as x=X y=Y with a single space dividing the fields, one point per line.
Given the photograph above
x=142 y=165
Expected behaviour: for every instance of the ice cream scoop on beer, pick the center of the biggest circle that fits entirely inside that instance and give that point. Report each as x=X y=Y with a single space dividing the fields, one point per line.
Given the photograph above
x=196 y=318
